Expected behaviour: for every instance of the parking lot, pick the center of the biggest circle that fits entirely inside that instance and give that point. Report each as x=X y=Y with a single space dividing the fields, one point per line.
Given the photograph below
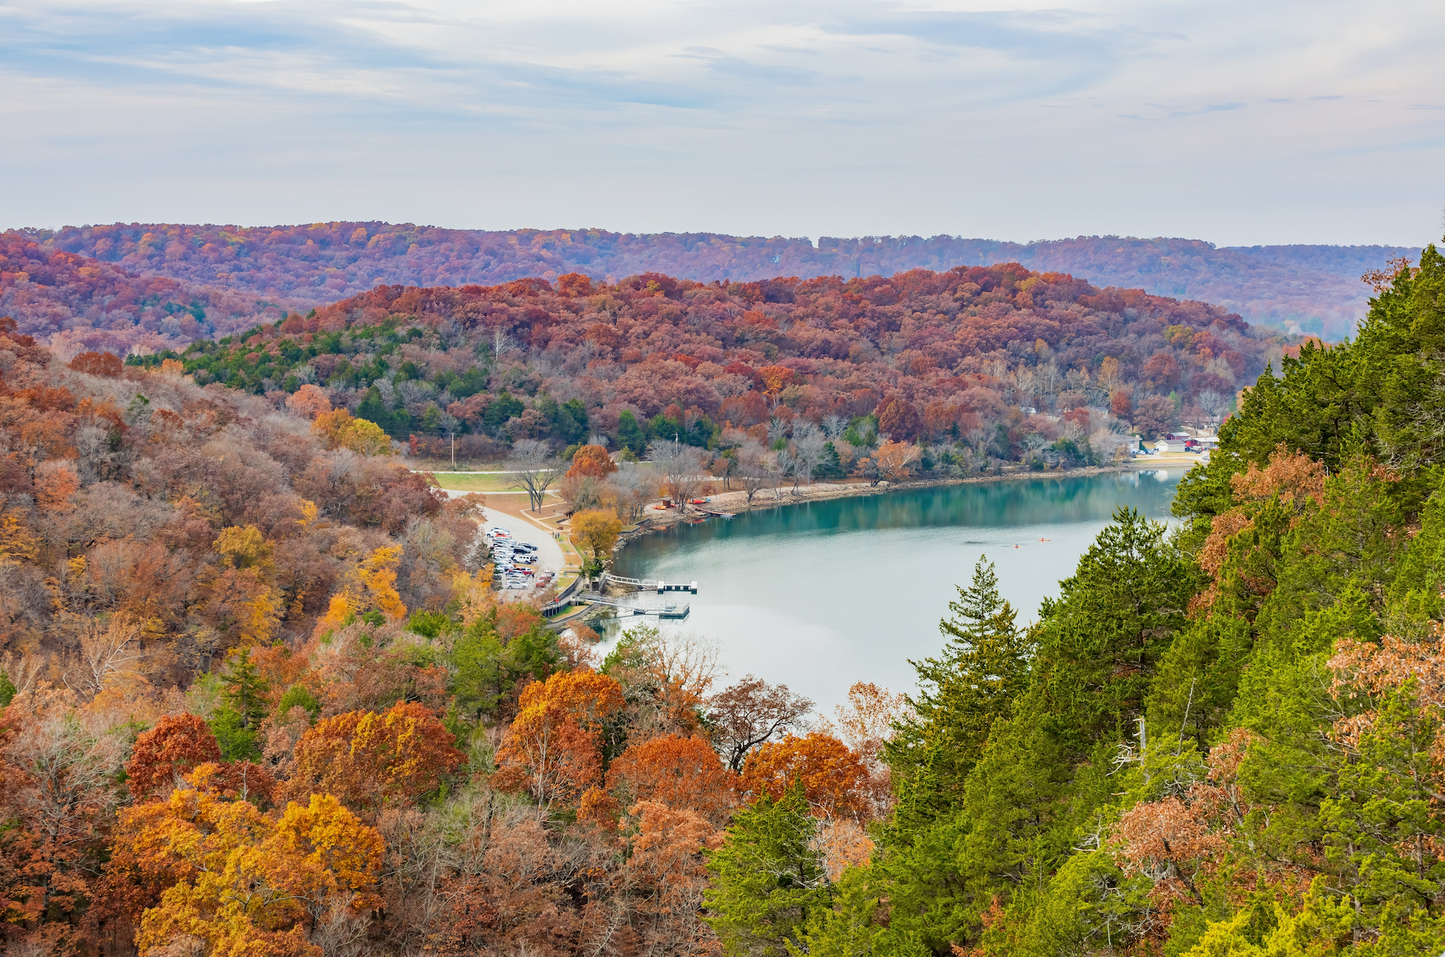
x=536 y=543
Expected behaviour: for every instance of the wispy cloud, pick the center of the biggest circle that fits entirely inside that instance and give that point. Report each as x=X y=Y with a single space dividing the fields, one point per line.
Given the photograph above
x=794 y=116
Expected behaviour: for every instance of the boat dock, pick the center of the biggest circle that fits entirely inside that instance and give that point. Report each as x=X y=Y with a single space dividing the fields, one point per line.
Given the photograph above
x=642 y=584
x=672 y=610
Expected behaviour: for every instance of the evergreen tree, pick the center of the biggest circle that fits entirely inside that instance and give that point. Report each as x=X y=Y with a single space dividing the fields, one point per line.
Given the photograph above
x=238 y=719
x=983 y=667
x=630 y=434
x=767 y=878
x=373 y=409
x=1043 y=771
x=1101 y=641
x=245 y=689
x=853 y=926
x=478 y=678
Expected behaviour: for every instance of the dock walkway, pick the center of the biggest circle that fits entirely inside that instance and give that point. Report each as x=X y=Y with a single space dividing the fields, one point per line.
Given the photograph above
x=668 y=610
x=645 y=584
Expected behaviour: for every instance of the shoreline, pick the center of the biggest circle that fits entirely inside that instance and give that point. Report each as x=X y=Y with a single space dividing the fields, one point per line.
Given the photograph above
x=734 y=502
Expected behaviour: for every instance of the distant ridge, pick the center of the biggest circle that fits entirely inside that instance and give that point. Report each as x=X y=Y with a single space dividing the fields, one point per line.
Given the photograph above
x=233 y=274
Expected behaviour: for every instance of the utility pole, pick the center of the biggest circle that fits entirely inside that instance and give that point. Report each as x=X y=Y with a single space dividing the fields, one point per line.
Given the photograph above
x=453 y=435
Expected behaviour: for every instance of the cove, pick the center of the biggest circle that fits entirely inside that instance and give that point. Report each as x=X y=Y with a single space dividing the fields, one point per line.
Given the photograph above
x=819 y=595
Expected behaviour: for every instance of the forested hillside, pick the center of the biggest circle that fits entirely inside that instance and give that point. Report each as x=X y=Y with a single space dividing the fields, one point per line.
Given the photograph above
x=75 y=304
x=972 y=365
x=1311 y=289
x=257 y=697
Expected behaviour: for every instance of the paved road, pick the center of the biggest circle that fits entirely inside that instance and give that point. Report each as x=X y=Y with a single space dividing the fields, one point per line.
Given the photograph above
x=549 y=553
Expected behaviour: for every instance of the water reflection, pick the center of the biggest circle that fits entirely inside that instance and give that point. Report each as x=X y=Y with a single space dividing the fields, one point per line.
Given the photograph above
x=822 y=594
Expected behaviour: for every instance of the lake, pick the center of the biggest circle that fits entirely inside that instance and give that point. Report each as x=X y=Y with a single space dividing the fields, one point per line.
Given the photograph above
x=822 y=594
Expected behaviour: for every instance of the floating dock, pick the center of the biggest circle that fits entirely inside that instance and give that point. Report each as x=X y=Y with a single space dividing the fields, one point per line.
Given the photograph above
x=672 y=609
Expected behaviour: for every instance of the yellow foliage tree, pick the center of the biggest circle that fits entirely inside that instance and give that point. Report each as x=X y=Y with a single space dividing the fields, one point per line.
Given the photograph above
x=17 y=542
x=244 y=547
x=377 y=574
x=245 y=883
x=366 y=438
x=242 y=595
x=596 y=531
x=339 y=429
x=474 y=593
x=370 y=585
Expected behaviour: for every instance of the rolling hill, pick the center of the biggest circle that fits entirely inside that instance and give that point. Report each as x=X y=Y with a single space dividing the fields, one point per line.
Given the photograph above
x=230 y=276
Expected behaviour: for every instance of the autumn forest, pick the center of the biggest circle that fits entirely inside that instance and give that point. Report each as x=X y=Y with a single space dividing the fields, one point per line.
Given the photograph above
x=259 y=694
x=161 y=285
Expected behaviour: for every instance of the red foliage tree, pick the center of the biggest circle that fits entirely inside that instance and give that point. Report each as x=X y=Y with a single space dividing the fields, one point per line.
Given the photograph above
x=168 y=752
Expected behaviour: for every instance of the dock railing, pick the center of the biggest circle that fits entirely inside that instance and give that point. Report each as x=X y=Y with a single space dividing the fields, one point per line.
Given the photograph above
x=647 y=584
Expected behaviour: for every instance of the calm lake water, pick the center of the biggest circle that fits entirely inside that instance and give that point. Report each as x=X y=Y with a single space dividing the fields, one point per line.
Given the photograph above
x=822 y=594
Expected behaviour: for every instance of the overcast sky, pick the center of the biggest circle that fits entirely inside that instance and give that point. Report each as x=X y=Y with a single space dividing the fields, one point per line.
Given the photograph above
x=1264 y=121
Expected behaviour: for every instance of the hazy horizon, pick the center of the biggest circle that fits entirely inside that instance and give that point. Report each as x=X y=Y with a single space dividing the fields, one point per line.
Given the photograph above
x=812 y=239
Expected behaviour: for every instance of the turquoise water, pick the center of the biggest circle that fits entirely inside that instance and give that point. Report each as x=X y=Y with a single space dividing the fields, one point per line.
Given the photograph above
x=822 y=594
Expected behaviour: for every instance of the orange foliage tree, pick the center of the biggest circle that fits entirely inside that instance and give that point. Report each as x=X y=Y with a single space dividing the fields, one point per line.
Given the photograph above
x=104 y=364
x=833 y=778
x=893 y=460
x=309 y=401
x=592 y=460
x=677 y=771
x=553 y=748
x=371 y=760
x=665 y=876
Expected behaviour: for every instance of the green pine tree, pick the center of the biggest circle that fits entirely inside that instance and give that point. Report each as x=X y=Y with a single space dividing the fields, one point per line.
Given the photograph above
x=854 y=926
x=245 y=689
x=237 y=721
x=767 y=878
x=983 y=668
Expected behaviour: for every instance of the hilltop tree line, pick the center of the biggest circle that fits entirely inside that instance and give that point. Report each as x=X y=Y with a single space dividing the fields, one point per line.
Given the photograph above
x=969 y=367
x=74 y=303
x=238 y=275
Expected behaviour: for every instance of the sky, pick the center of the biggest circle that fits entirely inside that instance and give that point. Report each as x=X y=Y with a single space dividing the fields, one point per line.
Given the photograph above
x=1236 y=122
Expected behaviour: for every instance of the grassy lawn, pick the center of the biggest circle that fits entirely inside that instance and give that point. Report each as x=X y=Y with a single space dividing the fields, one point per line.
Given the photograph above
x=476 y=483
